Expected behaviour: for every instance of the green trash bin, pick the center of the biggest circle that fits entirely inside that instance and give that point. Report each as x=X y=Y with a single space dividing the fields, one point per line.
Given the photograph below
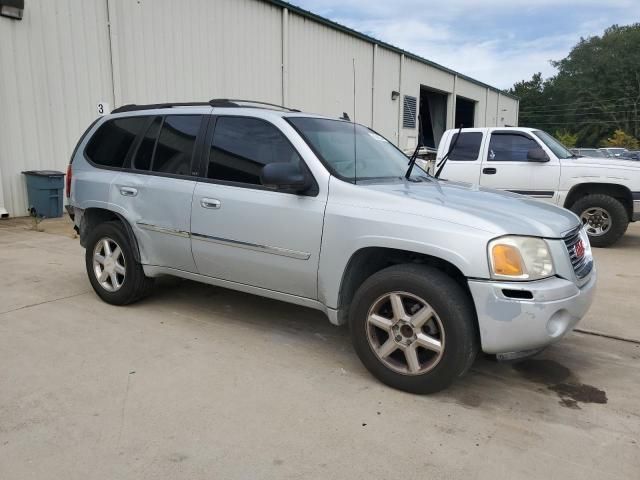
x=45 y=191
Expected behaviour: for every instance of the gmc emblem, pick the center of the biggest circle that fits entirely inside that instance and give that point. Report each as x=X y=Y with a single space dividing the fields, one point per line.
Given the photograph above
x=579 y=249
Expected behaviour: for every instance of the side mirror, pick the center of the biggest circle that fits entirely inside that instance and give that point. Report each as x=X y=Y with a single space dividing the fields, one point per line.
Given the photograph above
x=286 y=176
x=537 y=155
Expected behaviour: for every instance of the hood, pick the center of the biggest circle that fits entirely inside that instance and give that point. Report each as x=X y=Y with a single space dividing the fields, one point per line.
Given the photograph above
x=602 y=162
x=481 y=208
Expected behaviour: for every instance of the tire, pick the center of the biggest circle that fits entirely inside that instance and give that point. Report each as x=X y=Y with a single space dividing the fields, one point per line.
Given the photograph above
x=454 y=314
x=612 y=212
x=131 y=284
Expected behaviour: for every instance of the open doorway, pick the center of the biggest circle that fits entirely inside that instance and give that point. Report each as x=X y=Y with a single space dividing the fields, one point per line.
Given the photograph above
x=465 y=112
x=433 y=115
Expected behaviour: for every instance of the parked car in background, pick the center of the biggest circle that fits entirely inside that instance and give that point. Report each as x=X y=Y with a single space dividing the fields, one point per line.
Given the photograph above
x=588 y=152
x=613 y=151
x=278 y=203
x=632 y=155
x=604 y=193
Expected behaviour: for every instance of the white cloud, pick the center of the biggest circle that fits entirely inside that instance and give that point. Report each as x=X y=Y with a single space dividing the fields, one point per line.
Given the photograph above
x=495 y=41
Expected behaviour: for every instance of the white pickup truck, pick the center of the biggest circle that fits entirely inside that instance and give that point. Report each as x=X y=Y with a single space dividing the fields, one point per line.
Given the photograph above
x=604 y=193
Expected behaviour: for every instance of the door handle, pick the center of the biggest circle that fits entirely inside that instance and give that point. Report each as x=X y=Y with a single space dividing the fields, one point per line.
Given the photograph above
x=489 y=171
x=128 y=191
x=210 y=203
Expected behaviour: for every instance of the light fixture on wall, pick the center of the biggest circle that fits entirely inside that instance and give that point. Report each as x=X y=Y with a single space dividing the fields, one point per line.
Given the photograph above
x=12 y=9
x=395 y=95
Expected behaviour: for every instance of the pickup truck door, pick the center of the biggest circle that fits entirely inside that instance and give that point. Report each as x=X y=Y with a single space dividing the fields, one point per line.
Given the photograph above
x=465 y=159
x=244 y=232
x=506 y=166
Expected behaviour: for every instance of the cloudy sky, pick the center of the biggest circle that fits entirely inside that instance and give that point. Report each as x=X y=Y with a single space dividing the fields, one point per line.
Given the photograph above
x=496 y=41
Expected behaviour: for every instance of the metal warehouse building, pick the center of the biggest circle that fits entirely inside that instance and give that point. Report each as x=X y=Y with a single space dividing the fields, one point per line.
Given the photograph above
x=65 y=56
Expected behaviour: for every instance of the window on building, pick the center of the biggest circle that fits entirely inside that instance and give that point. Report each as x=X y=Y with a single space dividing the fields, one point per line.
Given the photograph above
x=176 y=143
x=112 y=141
x=242 y=146
x=409 y=112
x=509 y=147
x=144 y=154
x=467 y=147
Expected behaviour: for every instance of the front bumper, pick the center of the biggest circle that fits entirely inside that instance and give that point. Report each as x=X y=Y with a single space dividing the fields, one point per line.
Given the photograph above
x=636 y=207
x=514 y=324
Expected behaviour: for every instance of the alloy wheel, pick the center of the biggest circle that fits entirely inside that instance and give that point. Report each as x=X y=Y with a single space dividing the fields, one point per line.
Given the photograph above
x=405 y=333
x=109 y=265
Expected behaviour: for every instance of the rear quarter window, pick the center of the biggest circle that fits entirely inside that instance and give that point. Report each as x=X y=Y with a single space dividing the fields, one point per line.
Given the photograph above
x=111 y=143
x=468 y=146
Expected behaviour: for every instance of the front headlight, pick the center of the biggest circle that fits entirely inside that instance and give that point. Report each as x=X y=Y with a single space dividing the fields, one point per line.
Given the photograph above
x=520 y=258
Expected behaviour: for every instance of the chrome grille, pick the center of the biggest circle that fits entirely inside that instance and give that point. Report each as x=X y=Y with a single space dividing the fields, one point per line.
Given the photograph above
x=583 y=265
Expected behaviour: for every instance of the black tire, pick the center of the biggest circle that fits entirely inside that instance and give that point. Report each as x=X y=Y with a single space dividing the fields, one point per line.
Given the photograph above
x=452 y=305
x=135 y=284
x=618 y=216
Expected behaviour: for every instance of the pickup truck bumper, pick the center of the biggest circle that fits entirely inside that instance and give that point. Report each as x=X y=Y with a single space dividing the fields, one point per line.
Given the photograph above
x=518 y=324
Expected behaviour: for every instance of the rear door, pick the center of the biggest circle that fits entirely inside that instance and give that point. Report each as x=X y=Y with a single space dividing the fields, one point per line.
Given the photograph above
x=154 y=192
x=465 y=159
x=506 y=166
x=244 y=232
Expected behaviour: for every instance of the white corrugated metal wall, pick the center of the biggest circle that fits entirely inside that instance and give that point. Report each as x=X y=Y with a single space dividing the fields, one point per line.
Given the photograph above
x=66 y=56
x=54 y=68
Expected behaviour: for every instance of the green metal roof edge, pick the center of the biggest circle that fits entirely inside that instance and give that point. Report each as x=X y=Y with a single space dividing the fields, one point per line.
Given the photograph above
x=330 y=23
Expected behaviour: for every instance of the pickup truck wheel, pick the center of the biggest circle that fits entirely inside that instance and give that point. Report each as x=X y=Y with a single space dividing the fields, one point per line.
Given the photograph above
x=113 y=271
x=604 y=218
x=413 y=328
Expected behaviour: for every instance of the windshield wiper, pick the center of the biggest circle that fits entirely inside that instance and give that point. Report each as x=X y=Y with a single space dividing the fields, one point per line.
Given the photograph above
x=440 y=166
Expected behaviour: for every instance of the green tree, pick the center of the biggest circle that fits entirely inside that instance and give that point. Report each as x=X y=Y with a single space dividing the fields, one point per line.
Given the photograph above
x=621 y=139
x=595 y=92
x=567 y=138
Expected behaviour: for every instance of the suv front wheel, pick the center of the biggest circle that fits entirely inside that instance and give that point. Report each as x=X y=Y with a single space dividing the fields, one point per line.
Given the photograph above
x=113 y=271
x=413 y=327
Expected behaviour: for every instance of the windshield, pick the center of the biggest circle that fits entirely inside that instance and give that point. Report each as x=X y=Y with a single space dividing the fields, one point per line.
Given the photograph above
x=338 y=143
x=556 y=147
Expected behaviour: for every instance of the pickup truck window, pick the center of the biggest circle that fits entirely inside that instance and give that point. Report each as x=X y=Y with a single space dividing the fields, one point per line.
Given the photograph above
x=509 y=147
x=337 y=143
x=468 y=146
x=242 y=146
x=556 y=147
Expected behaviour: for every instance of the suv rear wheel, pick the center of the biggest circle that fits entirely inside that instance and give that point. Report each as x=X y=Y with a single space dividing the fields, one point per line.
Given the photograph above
x=604 y=218
x=113 y=271
x=413 y=328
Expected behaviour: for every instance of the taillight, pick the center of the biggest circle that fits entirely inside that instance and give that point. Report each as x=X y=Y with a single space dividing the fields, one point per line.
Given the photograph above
x=68 y=180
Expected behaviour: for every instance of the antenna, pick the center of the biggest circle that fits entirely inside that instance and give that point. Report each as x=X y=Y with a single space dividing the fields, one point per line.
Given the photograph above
x=355 y=141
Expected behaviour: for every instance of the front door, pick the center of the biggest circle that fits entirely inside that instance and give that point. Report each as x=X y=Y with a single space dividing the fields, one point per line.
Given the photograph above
x=506 y=166
x=244 y=232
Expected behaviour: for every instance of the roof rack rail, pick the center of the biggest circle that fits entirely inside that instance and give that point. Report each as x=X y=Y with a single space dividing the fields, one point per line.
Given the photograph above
x=216 y=102
x=232 y=102
x=132 y=107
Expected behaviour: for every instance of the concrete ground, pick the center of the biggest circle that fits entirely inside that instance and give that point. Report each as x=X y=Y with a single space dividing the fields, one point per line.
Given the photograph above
x=199 y=382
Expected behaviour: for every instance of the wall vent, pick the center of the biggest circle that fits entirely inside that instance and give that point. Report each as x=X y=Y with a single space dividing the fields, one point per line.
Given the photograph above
x=409 y=112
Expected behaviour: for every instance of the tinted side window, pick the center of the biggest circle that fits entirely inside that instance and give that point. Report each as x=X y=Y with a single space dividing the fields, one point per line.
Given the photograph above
x=145 y=150
x=468 y=146
x=175 y=144
x=111 y=142
x=510 y=147
x=242 y=146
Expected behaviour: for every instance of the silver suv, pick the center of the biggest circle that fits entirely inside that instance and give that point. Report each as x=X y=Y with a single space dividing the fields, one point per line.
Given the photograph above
x=319 y=212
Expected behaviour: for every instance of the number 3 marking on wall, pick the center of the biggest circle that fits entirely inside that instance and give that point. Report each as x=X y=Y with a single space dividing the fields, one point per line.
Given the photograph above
x=103 y=108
